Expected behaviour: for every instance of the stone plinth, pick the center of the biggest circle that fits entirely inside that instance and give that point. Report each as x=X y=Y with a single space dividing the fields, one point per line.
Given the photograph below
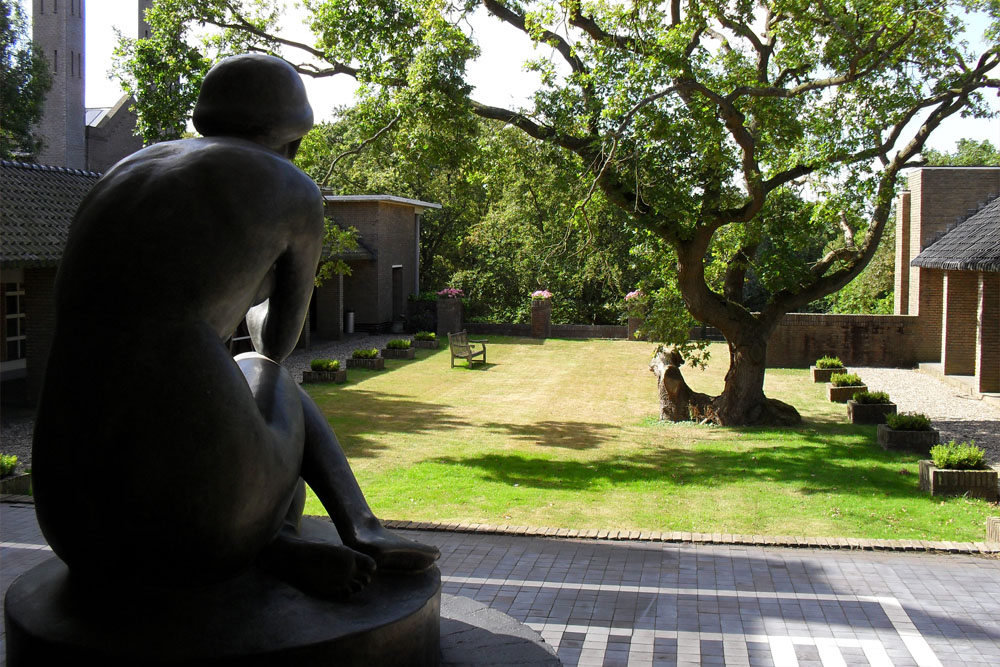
x=632 y=326
x=993 y=529
x=541 y=318
x=253 y=619
x=449 y=316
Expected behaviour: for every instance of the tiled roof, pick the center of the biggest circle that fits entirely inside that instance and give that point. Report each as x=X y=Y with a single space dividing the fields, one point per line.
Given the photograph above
x=37 y=204
x=974 y=245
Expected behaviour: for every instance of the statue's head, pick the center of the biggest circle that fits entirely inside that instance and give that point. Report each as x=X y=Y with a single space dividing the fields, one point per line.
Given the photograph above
x=255 y=97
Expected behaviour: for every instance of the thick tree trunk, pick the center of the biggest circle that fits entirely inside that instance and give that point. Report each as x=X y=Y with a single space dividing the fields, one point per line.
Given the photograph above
x=742 y=402
x=678 y=402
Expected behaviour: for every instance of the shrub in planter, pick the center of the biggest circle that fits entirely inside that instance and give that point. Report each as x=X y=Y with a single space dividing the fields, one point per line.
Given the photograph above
x=870 y=407
x=843 y=386
x=958 y=469
x=7 y=464
x=366 y=358
x=324 y=370
x=907 y=431
x=401 y=348
x=425 y=339
x=825 y=367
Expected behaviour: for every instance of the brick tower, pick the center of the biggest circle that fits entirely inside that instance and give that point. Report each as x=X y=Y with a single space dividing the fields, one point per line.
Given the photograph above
x=58 y=30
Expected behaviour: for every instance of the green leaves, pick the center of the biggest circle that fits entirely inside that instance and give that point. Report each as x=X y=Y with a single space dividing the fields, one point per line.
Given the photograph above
x=24 y=81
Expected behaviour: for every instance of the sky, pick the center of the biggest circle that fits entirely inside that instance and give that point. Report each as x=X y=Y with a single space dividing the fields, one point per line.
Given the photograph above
x=499 y=79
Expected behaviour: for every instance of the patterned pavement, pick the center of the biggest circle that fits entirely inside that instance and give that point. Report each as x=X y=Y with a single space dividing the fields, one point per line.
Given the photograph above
x=646 y=603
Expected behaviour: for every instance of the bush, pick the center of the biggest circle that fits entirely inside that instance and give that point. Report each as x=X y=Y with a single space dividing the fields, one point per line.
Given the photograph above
x=365 y=353
x=399 y=344
x=846 y=380
x=871 y=397
x=328 y=365
x=957 y=456
x=908 y=421
x=829 y=362
x=7 y=464
x=425 y=335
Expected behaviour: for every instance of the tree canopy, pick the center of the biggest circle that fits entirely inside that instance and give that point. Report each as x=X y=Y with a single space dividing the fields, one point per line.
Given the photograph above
x=968 y=153
x=754 y=143
x=24 y=81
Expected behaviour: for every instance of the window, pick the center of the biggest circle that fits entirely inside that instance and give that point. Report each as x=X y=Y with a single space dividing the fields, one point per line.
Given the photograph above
x=14 y=334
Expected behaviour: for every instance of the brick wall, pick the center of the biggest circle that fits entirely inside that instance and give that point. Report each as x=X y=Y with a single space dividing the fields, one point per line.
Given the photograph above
x=958 y=334
x=859 y=340
x=901 y=284
x=113 y=139
x=58 y=29
x=988 y=332
x=40 y=319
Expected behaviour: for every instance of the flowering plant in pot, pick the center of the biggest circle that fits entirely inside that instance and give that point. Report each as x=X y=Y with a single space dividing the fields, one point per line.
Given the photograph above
x=542 y=294
x=451 y=293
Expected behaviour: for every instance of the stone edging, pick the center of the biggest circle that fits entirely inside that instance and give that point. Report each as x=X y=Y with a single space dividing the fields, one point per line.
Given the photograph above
x=676 y=537
x=846 y=543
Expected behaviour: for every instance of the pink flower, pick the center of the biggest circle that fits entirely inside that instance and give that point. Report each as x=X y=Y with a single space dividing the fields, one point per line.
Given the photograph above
x=634 y=295
x=541 y=294
x=451 y=293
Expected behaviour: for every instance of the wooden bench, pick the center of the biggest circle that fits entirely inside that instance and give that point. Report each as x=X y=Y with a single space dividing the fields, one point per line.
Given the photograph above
x=462 y=348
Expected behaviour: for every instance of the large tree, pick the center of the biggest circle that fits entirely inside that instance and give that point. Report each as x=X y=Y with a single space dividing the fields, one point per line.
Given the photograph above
x=24 y=81
x=748 y=139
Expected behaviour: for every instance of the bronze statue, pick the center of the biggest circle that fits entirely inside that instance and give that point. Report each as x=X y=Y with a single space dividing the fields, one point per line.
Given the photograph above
x=202 y=457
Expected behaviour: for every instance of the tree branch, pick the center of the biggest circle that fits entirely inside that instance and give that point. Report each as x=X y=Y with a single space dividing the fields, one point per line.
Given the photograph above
x=357 y=149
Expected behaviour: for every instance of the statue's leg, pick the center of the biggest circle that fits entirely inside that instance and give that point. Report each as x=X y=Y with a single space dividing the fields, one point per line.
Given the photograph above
x=315 y=563
x=326 y=470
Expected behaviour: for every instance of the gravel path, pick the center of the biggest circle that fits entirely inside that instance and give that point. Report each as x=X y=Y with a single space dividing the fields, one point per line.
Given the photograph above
x=954 y=415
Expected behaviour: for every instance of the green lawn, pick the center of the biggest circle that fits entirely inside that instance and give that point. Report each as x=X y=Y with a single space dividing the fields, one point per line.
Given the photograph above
x=564 y=433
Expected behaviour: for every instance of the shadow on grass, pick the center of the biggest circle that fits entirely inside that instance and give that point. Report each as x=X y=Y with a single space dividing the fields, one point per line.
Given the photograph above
x=853 y=468
x=374 y=413
x=476 y=366
x=571 y=435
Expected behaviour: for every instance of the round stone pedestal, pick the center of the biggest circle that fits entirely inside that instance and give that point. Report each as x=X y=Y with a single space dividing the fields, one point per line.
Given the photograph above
x=253 y=619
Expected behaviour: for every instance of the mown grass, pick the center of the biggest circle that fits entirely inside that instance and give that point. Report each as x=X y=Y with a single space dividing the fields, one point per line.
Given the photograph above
x=564 y=433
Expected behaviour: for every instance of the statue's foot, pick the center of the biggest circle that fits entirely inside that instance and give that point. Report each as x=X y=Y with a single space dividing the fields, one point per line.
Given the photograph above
x=390 y=551
x=320 y=569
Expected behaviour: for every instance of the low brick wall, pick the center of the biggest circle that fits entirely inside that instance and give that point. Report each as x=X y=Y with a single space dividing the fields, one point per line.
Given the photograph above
x=557 y=331
x=859 y=340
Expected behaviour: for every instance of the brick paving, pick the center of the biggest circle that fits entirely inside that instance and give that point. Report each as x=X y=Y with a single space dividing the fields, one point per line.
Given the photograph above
x=650 y=602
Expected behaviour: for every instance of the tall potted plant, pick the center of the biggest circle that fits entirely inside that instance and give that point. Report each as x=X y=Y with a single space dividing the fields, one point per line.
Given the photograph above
x=907 y=431
x=541 y=313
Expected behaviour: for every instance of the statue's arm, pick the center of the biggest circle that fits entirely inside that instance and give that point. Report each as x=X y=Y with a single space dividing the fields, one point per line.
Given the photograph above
x=276 y=323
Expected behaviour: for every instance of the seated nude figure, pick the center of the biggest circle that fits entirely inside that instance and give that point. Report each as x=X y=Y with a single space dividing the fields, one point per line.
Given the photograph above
x=201 y=457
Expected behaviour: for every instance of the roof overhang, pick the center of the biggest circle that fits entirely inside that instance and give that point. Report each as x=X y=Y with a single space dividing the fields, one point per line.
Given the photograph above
x=417 y=205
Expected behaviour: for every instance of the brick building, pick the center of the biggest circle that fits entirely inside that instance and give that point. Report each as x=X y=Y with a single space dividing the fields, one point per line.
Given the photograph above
x=948 y=269
x=384 y=269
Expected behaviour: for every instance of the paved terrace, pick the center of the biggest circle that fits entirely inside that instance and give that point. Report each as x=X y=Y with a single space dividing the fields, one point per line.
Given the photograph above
x=636 y=602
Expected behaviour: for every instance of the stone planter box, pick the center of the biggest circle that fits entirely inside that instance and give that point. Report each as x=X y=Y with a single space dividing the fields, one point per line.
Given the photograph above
x=913 y=441
x=426 y=344
x=309 y=377
x=869 y=413
x=376 y=364
x=843 y=394
x=18 y=484
x=993 y=529
x=408 y=353
x=824 y=374
x=973 y=483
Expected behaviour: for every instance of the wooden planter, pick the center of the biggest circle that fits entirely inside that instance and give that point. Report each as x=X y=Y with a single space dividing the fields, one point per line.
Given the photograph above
x=973 y=483
x=17 y=484
x=824 y=374
x=869 y=413
x=993 y=529
x=914 y=441
x=426 y=344
x=376 y=364
x=309 y=377
x=408 y=353
x=843 y=394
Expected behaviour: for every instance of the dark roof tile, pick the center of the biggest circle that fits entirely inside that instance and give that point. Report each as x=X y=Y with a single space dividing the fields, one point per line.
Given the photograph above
x=973 y=245
x=37 y=205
